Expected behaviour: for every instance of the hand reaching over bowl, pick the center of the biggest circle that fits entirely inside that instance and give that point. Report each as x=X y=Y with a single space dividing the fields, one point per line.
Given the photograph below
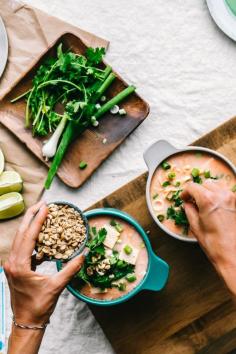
x=33 y=296
x=211 y=212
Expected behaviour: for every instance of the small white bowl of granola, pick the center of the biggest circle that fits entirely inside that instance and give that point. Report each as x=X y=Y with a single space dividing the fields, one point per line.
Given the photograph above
x=64 y=233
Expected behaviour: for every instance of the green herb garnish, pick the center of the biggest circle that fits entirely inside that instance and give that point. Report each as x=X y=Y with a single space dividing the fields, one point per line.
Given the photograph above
x=179 y=217
x=198 y=154
x=165 y=165
x=171 y=175
x=122 y=286
x=83 y=165
x=131 y=277
x=155 y=196
x=161 y=217
x=116 y=225
x=234 y=188
x=103 y=279
x=195 y=172
x=196 y=175
x=165 y=184
x=177 y=184
x=207 y=174
x=128 y=250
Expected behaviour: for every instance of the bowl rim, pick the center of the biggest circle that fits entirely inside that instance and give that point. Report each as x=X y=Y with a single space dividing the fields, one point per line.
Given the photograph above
x=82 y=247
x=150 y=176
x=130 y=220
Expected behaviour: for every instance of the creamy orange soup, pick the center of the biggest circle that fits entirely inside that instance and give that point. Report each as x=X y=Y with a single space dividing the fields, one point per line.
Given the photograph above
x=126 y=239
x=171 y=177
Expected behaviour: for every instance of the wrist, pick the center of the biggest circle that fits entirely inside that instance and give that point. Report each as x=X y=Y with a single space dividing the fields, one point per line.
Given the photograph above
x=24 y=340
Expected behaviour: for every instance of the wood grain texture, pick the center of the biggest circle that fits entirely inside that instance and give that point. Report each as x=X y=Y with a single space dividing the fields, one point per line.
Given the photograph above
x=194 y=313
x=89 y=147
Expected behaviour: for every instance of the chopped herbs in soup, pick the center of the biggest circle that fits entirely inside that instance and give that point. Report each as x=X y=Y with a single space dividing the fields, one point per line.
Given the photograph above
x=170 y=179
x=117 y=260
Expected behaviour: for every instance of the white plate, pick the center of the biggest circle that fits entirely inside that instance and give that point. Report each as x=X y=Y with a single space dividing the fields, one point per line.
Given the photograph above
x=3 y=46
x=223 y=17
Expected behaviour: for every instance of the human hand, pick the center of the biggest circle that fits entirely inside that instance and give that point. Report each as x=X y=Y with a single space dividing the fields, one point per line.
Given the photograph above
x=33 y=295
x=211 y=211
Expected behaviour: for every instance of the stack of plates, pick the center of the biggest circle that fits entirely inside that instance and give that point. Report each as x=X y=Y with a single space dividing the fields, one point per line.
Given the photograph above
x=3 y=47
x=224 y=15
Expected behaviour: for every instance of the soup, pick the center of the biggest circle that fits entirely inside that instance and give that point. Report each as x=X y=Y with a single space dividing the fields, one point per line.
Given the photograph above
x=117 y=261
x=170 y=179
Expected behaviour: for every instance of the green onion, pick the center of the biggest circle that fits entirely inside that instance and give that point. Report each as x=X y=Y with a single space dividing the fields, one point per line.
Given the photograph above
x=116 y=225
x=119 y=227
x=165 y=184
x=165 y=165
x=155 y=196
x=195 y=172
x=83 y=165
x=207 y=174
x=177 y=184
x=131 y=277
x=128 y=250
x=115 y=100
x=171 y=175
x=122 y=286
x=161 y=217
x=74 y=129
x=234 y=188
x=198 y=154
x=121 y=264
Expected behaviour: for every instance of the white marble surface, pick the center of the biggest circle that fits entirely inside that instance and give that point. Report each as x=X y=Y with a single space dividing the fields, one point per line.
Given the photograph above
x=183 y=66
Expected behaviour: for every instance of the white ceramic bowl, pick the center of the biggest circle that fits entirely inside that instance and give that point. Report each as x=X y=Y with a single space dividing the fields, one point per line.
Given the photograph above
x=154 y=156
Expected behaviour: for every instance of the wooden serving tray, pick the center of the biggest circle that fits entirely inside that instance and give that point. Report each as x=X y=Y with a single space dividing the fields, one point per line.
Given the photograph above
x=89 y=146
x=194 y=313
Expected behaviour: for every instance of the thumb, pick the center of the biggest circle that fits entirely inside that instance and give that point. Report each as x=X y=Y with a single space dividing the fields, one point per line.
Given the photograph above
x=193 y=218
x=63 y=277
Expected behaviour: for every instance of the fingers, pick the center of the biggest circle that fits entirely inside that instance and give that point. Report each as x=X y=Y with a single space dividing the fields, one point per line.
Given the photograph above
x=213 y=185
x=193 y=217
x=62 y=278
x=28 y=217
x=33 y=231
x=197 y=192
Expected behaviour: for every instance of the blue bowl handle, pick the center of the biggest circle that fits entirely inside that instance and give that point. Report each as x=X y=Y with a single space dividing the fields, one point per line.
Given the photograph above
x=158 y=274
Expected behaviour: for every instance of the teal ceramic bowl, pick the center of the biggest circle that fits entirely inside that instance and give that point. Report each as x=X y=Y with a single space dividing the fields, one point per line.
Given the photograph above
x=157 y=270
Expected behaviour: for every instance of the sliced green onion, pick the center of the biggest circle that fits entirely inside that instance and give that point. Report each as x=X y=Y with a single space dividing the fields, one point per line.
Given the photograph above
x=155 y=196
x=171 y=175
x=234 y=188
x=122 y=286
x=165 y=184
x=128 y=250
x=131 y=277
x=161 y=217
x=195 y=172
x=165 y=165
x=83 y=165
x=177 y=184
x=207 y=174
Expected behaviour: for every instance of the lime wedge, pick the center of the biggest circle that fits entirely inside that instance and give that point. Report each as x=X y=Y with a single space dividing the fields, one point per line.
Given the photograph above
x=11 y=204
x=10 y=181
x=1 y=161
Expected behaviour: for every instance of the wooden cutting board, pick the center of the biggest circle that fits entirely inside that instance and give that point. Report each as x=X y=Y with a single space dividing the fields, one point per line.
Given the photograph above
x=194 y=313
x=89 y=146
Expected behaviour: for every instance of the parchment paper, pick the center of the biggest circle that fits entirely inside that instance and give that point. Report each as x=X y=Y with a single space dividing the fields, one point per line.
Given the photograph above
x=30 y=32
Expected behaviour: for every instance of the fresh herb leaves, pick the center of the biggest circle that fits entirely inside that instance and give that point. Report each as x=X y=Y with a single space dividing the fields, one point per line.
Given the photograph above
x=179 y=217
x=92 y=271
